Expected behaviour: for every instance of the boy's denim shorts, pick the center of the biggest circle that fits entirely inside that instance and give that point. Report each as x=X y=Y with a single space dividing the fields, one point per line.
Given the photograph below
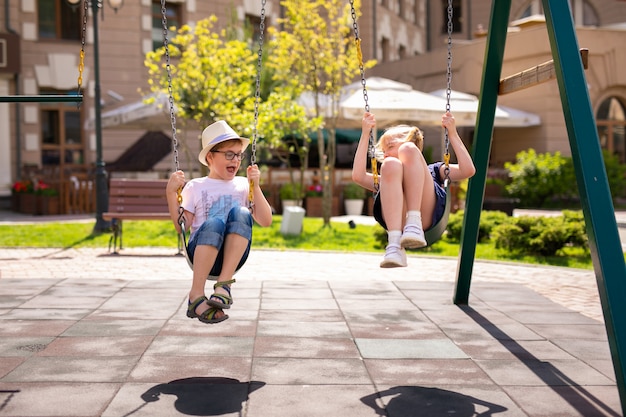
x=213 y=232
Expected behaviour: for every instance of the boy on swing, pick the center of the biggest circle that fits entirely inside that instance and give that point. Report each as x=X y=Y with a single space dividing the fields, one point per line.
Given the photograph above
x=216 y=210
x=411 y=197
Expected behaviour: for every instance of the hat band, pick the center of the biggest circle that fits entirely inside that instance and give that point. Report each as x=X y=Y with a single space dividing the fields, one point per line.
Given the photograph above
x=223 y=137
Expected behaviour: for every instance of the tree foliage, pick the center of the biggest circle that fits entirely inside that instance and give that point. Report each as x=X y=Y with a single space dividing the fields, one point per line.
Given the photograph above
x=317 y=54
x=214 y=78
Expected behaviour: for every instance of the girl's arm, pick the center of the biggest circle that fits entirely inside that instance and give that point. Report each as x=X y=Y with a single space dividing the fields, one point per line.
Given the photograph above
x=359 y=167
x=464 y=168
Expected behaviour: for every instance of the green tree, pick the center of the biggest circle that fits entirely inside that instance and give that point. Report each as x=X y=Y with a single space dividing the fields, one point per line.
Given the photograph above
x=214 y=78
x=317 y=54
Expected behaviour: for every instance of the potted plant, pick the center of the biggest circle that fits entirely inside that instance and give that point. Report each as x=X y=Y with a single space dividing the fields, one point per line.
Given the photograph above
x=48 y=199
x=354 y=198
x=290 y=194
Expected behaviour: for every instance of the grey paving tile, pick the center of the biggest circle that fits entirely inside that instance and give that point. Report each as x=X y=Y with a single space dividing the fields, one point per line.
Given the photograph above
x=389 y=294
x=38 y=313
x=23 y=346
x=297 y=371
x=143 y=303
x=115 y=328
x=89 y=346
x=180 y=326
x=395 y=330
x=305 y=347
x=572 y=331
x=556 y=372
x=386 y=316
x=585 y=349
x=67 y=289
x=303 y=329
x=160 y=369
x=347 y=304
x=298 y=304
x=409 y=349
x=201 y=346
x=12 y=301
x=80 y=399
x=72 y=369
x=310 y=401
x=34 y=327
x=426 y=372
x=58 y=302
x=290 y=293
x=301 y=315
x=8 y=363
x=550 y=317
x=575 y=401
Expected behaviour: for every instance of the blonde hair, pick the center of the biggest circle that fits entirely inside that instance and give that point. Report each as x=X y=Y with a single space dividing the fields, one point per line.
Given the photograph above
x=402 y=133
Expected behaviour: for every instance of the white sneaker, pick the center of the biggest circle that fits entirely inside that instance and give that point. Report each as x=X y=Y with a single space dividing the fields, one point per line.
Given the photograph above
x=412 y=237
x=394 y=257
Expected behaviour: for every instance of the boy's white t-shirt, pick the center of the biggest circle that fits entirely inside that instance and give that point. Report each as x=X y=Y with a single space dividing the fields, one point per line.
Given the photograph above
x=207 y=197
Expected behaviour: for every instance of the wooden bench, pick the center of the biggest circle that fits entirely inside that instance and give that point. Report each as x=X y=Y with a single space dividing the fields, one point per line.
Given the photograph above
x=135 y=200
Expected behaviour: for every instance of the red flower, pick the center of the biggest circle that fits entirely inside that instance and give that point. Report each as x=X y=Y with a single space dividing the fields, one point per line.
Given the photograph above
x=314 y=190
x=23 y=187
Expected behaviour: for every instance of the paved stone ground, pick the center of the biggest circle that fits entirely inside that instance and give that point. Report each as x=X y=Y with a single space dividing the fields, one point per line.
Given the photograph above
x=85 y=333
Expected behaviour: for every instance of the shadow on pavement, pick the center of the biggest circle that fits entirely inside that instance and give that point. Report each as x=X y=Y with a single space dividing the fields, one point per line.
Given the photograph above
x=431 y=402
x=204 y=396
x=572 y=392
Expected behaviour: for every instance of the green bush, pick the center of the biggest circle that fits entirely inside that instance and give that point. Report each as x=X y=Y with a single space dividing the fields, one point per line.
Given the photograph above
x=537 y=177
x=488 y=220
x=543 y=236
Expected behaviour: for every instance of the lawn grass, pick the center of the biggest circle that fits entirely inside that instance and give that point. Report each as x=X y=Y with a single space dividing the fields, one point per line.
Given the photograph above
x=339 y=237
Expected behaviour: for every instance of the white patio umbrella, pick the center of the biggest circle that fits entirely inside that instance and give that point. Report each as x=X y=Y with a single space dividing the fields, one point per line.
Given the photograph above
x=392 y=102
x=465 y=107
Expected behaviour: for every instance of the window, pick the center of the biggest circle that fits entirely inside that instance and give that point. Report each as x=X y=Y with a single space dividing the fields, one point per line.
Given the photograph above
x=385 y=49
x=173 y=15
x=611 y=122
x=456 y=16
x=584 y=13
x=402 y=52
x=253 y=28
x=61 y=136
x=58 y=20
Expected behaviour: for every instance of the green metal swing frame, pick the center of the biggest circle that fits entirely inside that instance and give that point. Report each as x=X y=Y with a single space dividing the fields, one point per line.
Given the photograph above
x=591 y=177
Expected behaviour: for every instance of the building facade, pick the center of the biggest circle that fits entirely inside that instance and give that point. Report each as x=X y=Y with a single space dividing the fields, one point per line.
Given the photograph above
x=42 y=42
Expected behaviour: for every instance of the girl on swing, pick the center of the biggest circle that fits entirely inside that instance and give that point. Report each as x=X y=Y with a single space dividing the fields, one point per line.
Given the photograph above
x=411 y=197
x=215 y=208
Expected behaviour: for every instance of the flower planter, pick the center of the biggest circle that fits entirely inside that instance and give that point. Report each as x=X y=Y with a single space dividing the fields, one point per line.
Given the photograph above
x=354 y=207
x=28 y=203
x=313 y=207
x=49 y=205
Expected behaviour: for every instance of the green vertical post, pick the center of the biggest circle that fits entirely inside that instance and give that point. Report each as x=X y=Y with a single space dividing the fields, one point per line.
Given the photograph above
x=604 y=240
x=492 y=68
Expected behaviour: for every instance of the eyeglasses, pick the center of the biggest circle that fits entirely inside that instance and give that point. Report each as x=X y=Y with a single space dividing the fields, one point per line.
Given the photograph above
x=230 y=155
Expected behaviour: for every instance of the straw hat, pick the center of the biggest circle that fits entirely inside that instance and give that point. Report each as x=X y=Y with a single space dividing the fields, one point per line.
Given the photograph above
x=217 y=133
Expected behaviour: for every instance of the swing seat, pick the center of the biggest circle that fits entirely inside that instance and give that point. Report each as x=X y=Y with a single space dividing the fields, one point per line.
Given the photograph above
x=183 y=243
x=434 y=233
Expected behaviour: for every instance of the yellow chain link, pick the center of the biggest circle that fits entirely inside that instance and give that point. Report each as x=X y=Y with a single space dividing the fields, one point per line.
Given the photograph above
x=81 y=68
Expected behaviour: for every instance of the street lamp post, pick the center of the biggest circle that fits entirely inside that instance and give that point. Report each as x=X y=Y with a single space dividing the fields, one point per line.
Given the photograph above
x=102 y=193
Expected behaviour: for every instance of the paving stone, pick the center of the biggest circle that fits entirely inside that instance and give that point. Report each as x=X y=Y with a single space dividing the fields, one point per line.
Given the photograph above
x=408 y=349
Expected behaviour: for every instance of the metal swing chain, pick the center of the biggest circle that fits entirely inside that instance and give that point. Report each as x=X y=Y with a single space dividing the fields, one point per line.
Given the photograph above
x=257 y=99
x=181 y=210
x=446 y=155
x=81 y=61
x=371 y=146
